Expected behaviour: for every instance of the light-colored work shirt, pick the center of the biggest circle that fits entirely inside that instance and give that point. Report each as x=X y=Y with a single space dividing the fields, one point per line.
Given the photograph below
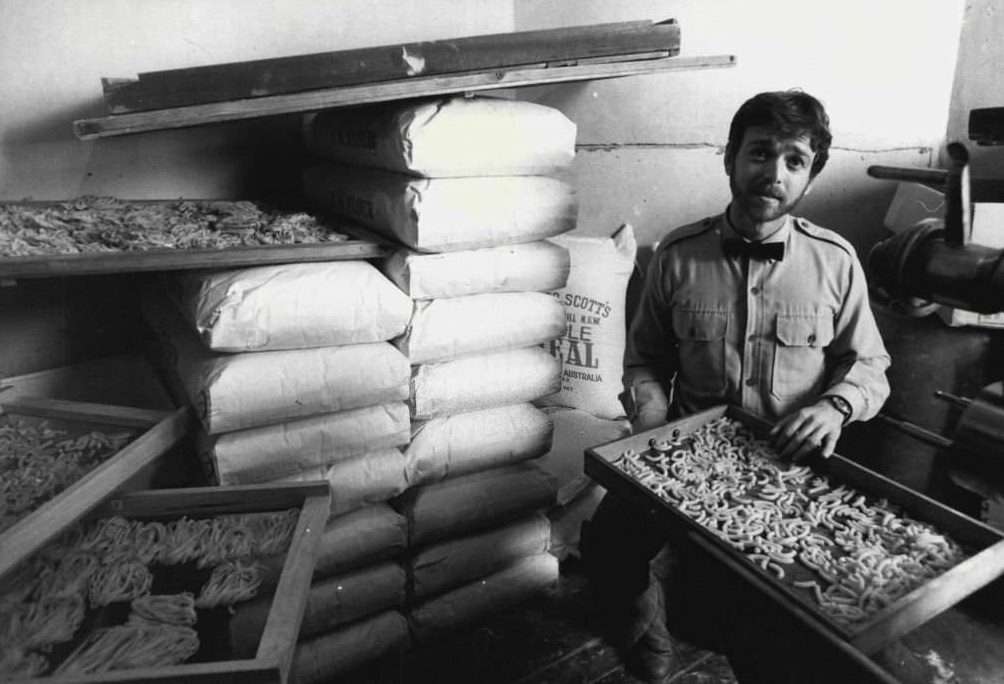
x=770 y=336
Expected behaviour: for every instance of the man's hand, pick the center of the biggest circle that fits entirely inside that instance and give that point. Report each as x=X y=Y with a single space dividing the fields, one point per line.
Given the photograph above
x=811 y=429
x=651 y=405
x=648 y=419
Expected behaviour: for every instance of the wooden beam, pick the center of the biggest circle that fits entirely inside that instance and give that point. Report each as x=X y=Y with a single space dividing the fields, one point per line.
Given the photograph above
x=284 y=75
x=195 y=115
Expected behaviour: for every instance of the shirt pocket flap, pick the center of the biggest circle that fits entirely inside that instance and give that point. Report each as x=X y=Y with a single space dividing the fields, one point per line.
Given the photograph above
x=804 y=331
x=702 y=327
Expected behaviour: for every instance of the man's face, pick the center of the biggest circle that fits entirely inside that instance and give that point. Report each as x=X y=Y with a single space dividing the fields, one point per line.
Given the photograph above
x=769 y=174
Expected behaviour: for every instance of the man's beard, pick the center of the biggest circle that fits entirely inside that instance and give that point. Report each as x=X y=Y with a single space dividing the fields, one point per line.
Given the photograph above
x=748 y=203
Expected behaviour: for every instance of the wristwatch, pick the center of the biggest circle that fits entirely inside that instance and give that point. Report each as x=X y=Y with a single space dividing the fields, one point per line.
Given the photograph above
x=841 y=405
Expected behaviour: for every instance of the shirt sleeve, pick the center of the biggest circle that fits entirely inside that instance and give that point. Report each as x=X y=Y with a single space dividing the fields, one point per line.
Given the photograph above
x=650 y=359
x=858 y=356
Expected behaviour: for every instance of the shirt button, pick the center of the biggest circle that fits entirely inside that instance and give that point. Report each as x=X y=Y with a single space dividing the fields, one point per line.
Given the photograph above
x=750 y=382
x=812 y=338
x=755 y=290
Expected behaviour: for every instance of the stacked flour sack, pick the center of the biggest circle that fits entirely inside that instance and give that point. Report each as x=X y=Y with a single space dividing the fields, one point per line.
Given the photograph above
x=292 y=374
x=470 y=189
x=589 y=409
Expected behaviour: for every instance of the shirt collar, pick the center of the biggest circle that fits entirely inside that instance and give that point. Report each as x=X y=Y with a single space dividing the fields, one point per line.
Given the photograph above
x=779 y=235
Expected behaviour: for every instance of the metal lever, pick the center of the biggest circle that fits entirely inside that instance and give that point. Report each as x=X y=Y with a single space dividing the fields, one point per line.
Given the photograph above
x=961 y=402
x=917 y=432
x=958 y=214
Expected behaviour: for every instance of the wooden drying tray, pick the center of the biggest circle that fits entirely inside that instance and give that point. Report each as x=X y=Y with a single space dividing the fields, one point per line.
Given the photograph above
x=158 y=432
x=273 y=657
x=426 y=86
x=103 y=263
x=285 y=75
x=984 y=564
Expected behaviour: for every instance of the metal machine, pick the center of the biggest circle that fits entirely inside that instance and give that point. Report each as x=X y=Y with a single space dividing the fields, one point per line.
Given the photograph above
x=934 y=261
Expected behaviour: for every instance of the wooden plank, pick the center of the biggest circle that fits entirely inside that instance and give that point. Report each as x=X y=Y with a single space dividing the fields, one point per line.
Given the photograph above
x=207 y=501
x=235 y=110
x=46 y=522
x=59 y=265
x=282 y=628
x=226 y=672
x=284 y=75
x=83 y=411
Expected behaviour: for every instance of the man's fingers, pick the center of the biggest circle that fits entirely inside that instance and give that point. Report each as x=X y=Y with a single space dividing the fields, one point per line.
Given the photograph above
x=829 y=445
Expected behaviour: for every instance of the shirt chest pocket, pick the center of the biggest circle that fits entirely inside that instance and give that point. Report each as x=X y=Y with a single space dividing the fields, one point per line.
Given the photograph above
x=800 y=354
x=701 y=339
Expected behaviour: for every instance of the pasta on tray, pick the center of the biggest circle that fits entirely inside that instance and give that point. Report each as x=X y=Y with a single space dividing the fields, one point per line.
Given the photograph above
x=38 y=461
x=854 y=556
x=106 y=224
x=59 y=611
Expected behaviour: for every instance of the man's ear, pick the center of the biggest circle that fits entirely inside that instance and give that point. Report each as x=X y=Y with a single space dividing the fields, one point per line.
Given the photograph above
x=729 y=160
x=808 y=189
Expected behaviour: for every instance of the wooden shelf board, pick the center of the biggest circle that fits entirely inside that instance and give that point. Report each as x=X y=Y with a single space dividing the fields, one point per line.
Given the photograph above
x=235 y=110
x=12 y=268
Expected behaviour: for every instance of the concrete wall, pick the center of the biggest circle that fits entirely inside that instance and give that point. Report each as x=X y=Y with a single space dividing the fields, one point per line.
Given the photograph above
x=55 y=52
x=651 y=146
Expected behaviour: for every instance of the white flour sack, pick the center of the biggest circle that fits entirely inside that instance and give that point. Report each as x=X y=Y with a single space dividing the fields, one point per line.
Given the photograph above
x=453 y=136
x=444 y=329
x=268 y=453
x=574 y=432
x=538 y=266
x=444 y=214
x=476 y=382
x=592 y=349
x=359 y=481
x=237 y=391
x=469 y=442
x=292 y=306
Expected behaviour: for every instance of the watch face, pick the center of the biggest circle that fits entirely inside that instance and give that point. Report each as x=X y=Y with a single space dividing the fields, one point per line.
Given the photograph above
x=841 y=405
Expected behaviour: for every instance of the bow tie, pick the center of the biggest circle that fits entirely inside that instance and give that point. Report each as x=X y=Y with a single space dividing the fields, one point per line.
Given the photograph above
x=736 y=247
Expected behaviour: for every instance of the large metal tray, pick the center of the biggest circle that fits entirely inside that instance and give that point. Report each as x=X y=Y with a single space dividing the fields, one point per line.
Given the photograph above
x=984 y=544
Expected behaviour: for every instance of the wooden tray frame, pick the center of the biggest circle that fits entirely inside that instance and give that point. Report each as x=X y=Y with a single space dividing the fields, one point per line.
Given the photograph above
x=274 y=657
x=896 y=619
x=38 y=528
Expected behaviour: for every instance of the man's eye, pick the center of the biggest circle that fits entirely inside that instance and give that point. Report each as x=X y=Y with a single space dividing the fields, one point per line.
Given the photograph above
x=796 y=162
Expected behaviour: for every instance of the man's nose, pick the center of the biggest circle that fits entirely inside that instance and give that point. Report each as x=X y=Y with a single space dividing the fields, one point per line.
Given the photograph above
x=775 y=171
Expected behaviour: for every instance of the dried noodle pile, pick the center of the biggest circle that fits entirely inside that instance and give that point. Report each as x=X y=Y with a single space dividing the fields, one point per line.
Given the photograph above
x=44 y=602
x=105 y=224
x=37 y=462
x=863 y=554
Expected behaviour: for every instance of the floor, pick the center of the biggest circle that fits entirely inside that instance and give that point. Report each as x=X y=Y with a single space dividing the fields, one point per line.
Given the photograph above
x=554 y=640
x=550 y=640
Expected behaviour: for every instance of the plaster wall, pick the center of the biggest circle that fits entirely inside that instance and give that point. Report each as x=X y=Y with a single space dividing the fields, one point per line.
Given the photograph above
x=651 y=147
x=55 y=53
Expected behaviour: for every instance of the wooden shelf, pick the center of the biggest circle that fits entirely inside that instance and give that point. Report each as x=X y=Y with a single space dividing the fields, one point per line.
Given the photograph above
x=173 y=260
x=313 y=100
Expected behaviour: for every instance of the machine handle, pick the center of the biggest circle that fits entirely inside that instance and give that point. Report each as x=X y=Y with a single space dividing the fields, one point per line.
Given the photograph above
x=917 y=432
x=928 y=176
